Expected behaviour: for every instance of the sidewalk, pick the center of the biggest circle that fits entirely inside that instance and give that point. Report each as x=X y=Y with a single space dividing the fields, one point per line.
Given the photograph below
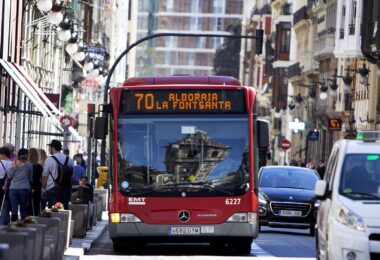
x=79 y=246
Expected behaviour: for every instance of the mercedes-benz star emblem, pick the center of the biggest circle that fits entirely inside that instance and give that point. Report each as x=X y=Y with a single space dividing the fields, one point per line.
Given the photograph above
x=291 y=197
x=184 y=216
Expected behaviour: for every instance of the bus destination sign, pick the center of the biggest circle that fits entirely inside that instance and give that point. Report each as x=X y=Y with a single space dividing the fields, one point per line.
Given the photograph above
x=182 y=101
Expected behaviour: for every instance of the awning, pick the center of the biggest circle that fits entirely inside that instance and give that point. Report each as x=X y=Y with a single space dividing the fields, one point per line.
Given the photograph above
x=35 y=94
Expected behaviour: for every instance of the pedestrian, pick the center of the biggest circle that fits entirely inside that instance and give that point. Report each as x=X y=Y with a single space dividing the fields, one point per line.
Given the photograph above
x=84 y=192
x=41 y=156
x=6 y=164
x=21 y=178
x=41 y=160
x=11 y=147
x=311 y=164
x=35 y=205
x=78 y=170
x=50 y=190
x=321 y=169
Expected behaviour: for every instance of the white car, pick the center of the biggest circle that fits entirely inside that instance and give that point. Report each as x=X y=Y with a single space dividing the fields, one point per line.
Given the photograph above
x=348 y=221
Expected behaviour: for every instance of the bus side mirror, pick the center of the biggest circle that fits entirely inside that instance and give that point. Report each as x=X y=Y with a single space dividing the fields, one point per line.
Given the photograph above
x=101 y=125
x=321 y=189
x=262 y=130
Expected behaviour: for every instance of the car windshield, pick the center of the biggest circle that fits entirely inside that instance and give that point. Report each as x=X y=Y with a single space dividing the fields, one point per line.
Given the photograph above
x=159 y=156
x=360 y=179
x=288 y=177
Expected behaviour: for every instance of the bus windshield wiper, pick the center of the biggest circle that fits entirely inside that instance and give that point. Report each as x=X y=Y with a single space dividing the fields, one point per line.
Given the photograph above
x=363 y=194
x=138 y=192
x=288 y=187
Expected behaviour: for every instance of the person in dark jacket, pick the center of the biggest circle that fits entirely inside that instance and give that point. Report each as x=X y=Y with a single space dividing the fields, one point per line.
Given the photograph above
x=35 y=201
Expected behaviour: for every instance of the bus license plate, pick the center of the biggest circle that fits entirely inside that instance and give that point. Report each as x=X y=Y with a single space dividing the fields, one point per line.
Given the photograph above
x=290 y=213
x=184 y=231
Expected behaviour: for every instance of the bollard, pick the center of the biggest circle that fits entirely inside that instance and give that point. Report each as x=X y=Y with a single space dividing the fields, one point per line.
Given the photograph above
x=4 y=251
x=17 y=242
x=40 y=239
x=104 y=194
x=51 y=237
x=65 y=226
x=79 y=213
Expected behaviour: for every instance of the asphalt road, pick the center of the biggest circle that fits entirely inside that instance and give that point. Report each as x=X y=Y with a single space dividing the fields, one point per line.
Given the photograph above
x=271 y=244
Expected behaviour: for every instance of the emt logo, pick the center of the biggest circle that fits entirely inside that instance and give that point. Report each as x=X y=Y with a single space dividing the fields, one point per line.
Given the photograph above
x=136 y=201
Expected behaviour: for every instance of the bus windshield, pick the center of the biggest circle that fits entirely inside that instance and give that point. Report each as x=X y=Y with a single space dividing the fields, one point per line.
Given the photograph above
x=183 y=155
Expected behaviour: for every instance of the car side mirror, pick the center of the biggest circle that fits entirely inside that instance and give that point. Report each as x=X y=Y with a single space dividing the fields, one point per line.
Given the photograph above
x=321 y=189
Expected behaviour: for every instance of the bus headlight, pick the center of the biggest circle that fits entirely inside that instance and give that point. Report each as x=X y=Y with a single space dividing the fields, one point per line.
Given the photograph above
x=129 y=218
x=243 y=217
x=115 y=217
x=350 y=219
x=124 y=217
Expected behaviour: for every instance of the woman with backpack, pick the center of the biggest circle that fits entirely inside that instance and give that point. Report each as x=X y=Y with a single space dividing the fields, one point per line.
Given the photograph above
x=20 y=176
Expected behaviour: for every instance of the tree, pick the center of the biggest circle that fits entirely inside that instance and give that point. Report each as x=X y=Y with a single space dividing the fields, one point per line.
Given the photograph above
x=227 y=56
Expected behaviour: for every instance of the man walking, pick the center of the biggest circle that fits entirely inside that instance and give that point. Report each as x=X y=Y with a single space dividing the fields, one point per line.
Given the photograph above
x=53 y=190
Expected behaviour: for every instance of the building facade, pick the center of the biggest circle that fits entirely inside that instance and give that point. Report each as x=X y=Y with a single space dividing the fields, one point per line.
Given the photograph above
x=183 y=55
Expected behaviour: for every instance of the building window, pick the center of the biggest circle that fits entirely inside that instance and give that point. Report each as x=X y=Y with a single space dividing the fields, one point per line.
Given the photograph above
x=284 y=44
x=169 y=5
x=351 y=25
x=218 y=6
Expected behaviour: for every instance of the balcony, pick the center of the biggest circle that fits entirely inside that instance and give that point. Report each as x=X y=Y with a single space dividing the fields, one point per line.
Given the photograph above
x=294 y=70
x=348 y=98
x=300 y=15
x=341 y=34
x=351 y=29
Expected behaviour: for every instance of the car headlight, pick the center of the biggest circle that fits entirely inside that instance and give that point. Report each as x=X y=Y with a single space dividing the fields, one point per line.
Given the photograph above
x=316 y=204
x=243 y=217
x=262 y=200
x=350 y=219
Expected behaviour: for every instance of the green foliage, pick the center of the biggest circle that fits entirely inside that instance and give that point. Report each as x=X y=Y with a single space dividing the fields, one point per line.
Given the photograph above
x=227 y=57
x=67 y=97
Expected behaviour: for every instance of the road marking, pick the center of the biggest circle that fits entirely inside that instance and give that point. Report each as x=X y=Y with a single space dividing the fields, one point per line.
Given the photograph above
x=258 y=251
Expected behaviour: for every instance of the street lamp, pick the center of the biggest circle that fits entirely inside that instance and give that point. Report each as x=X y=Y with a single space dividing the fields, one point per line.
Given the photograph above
x=44 y=5
x=323 y=90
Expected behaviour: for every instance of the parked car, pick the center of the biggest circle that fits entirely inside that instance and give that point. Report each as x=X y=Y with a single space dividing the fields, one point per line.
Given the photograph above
x=348 y=222
x=286 y=197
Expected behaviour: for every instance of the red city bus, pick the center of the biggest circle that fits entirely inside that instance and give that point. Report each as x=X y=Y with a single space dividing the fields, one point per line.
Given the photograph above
x=184 y=161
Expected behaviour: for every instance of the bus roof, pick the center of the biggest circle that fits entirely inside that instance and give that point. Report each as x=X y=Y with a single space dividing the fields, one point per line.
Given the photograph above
x=174 y=80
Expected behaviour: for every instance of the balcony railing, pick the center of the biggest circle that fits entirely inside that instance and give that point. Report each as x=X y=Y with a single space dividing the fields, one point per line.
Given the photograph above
x=348 y=98
x=294 y=70
x=341 y=34
x=300 y=15
x=351 y=29
x=331 y=30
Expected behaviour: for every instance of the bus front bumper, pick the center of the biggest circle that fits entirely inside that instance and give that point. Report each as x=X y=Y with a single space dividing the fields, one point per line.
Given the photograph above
x=184 y=232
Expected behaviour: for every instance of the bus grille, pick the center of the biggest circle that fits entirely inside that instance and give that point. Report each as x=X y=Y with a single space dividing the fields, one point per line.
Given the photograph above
x=296 y=206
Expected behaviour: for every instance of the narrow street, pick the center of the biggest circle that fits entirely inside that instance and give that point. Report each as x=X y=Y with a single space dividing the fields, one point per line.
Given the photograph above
x=272 y=243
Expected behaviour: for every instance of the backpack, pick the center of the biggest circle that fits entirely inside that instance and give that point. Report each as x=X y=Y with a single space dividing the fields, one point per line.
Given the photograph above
x=64 y=174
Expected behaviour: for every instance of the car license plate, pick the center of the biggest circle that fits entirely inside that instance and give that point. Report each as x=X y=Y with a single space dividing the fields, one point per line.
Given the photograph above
x=290 y=213
x=184 y=230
